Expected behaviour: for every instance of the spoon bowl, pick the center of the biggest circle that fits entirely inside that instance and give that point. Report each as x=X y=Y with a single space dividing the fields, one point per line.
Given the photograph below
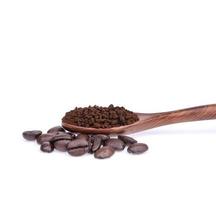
x=113 y=130
x=152 y=120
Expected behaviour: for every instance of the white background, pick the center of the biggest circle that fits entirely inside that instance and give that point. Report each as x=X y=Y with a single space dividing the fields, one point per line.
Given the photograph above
x=148 y=56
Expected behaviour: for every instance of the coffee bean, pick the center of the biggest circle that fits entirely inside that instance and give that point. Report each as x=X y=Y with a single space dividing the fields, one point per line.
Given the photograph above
x=78 y=147
x=77 y=143
x=45 y=138
x=61 y=145
x=62 y=136
x=54 y=133
x=97 y=142
x=137 y=148
x=127 y=140
x=82 y=136
x=78 y=151
x=104 y=137
x=32 y=135
x=56 y=129
x=47 y=147
x=116 y=144
x=71 y=133
x=104 y=152
x=59 y=132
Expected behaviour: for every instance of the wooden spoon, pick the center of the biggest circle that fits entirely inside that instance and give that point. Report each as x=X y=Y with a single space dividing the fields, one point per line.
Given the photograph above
x=153 y=120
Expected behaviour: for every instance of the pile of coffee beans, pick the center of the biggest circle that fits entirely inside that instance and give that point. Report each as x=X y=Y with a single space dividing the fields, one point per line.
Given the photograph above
x=100 y=117
x=77 y=144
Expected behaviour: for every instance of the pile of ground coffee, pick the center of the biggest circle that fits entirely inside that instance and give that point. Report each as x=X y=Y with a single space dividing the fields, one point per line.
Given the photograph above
x=77 y=144
x=100 y=117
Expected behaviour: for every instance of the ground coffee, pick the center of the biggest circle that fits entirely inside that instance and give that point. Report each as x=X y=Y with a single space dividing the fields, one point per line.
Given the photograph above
x=100 y=117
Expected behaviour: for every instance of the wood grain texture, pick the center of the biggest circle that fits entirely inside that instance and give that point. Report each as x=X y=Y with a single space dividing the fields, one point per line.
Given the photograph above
x=153 y=120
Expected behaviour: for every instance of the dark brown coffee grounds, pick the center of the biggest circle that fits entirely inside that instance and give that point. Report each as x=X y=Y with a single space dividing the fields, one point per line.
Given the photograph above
x=100 y=117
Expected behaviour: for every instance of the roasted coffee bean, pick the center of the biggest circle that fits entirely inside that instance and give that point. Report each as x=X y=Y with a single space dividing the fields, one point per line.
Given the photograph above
x=78 y=147
x=104 y=152
x=82 y=136
x=45 y=138
x=32 y=135
x=127 y=140
x=116 y=144
x=78 y=151
x=97 y=142
x=62 y=136
x=137 y=148
x=61 y=145
x=47 y=147
x=54 y=133
x=77 y=143
x=104 y=137
x=71 y=133
x=56 y=129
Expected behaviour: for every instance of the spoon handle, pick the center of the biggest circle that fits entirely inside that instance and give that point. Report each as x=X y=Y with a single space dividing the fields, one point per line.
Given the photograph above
x=206 y=112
